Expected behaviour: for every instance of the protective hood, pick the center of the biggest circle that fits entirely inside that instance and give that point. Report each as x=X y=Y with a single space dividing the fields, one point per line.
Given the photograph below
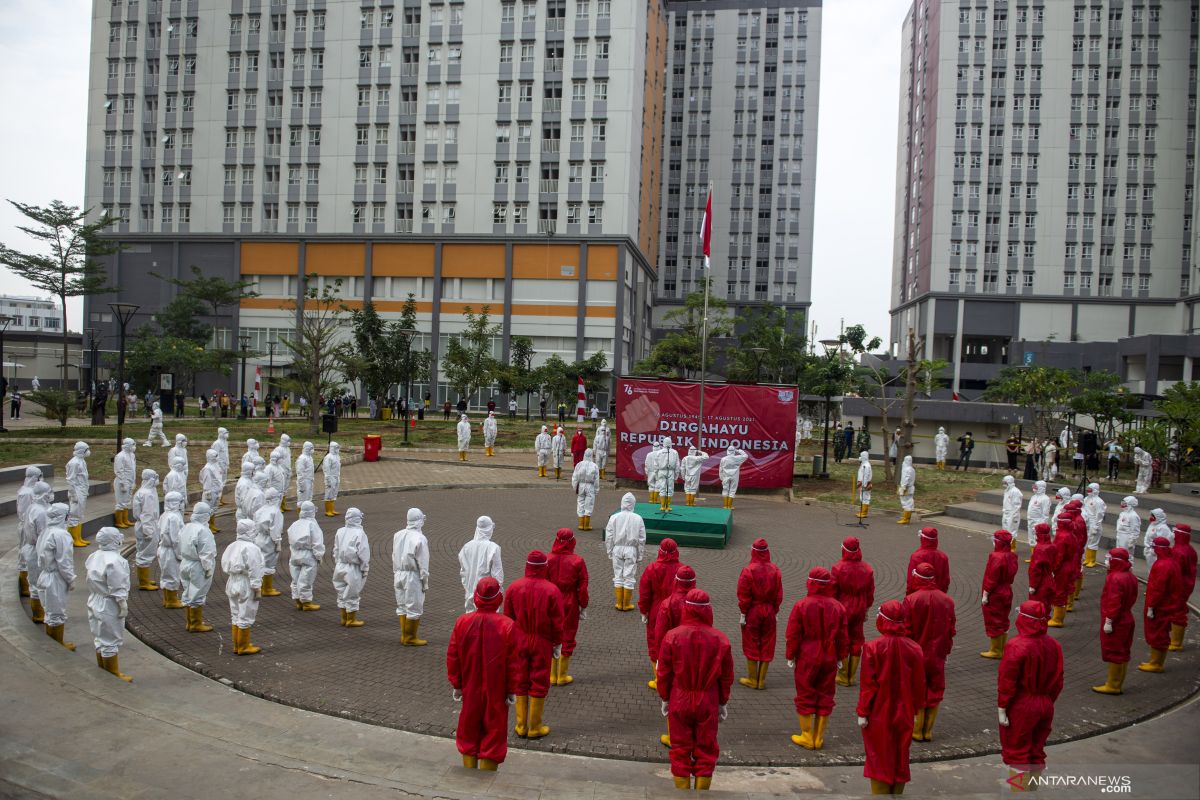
x=308 y=510
x=272 y=496
x=177 y=464
x=1002 y=540
x=851 y=550
x=1042 y=532
x=248 y=470
x=908 y=461
x=535 y=564
x=587 y=454
x=929 y=538
x=925 y=576
x=697 y=609
x=1158 y=515
x=1093 y=488
x=667 y=443
x=32 y=476
x=483 y=529
x=128 y=445
x=285 y=440
x=156 y=406
x=1137 y=451
x=544 y=429
x=1078 y=497
x=628 y=501
x=668 y=551
x=415 y=518
x=685 y=579
x=820 y=582
x=941 y=430
x=307 y=449
x=57 y=513
x=1064 y=494
x=892 y=619
x=1039 y=487
x=1118 y=560
x=488 y=596
x=335 y=448
x=180 y=440
x=1183 y=535
x=245 y=530
x=277 y=457
x=201 y=513
x=603 y=423
x=864 y=457
x=173 y=501
x=1129 y=502
x=731 y=450
x=109 y=538
x=260 y=479
x=1162 y=547
x=354 y=518
x=491 y=413
x=252 y=445
x=658 y=445
x=1008 y=481
x=1031 y=619
x=462 y=418
x=222 y=434
x=149 y=479
x=42 y=492
x=693 y=452
x=564 y=542
x=210 y=456
x=82 y=450
x=759 y=551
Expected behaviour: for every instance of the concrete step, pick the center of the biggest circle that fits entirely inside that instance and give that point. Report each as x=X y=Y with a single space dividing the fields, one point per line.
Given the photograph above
x=17 y=474
x=8 y=496
x=1186 y=489
x=1176 y=505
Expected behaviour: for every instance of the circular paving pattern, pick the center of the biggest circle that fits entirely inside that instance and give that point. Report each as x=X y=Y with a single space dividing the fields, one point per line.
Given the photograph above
x=364 y=674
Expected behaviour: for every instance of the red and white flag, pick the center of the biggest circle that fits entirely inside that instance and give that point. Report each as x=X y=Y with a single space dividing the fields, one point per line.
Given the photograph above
x=954 y=396
x=580 y=402
x=706 y=228
x=257 y=388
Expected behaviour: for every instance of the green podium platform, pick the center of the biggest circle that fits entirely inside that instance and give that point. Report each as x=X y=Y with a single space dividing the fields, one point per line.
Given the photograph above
x=689 y=526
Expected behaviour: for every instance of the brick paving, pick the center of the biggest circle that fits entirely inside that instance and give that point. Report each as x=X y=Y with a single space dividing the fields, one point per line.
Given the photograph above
x=364 y=674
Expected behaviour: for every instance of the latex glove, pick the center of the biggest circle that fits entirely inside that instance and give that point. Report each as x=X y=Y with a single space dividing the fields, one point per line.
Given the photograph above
x=664 y=707
x=558 y=651
x=425 y=584
x=1003 y=715
x=1150 y=613
x=208 y=574
x=511 y=699
x=122 y=608
x=256 y=594
x=582 y=614
x=724 y=712
x=457 y=695
x=71 y=586
x=862 y=722
x=839 y=665
x=791 y=664
x=1108 y=628
x=985 y=597
x=1031 y=590
x=741 y=619
x=645 y=619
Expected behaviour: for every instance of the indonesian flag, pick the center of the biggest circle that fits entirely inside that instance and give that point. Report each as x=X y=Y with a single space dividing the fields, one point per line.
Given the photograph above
x=257 y=384
x=706 y=228
x=580 y=402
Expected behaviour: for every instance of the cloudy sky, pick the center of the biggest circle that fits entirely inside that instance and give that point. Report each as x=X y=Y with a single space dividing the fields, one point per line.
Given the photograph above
x=43 y=61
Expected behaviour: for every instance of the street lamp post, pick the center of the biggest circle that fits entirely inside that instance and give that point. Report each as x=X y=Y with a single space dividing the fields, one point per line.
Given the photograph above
x=244 y=341
x=93 y=342
x=407 y=334
x=5 y=321
x=833 y=348
x=124 y=312
x=270 y=370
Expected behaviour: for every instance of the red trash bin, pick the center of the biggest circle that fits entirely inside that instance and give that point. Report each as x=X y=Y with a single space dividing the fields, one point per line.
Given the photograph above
x=371 y=447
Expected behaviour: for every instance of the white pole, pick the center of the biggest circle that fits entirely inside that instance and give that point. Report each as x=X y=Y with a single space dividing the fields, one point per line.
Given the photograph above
x=703 y=363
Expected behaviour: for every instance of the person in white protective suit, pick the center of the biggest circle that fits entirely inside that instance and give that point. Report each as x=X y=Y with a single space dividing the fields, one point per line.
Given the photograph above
x=1010 y=509
x=180 y=451
x=1158 y=527
x=331 y=468
x=478 y=559
x=56 y=571
x=107 y=575
x=198 y=553
x=799 y=440
x=35 y=383
x=1145 y=470
x=463 y=429
x=77 y=492
x=730 y=472
x=625 y=543
x=170 y=523
x=351 y=563
x=221 y=445
x=691 y=466
x=242 y=563
x=33 y=476
x=145 y=529
x=256 y=495
x=410 y=576
x=863 y=484
x=1129 y=524
x=907 y=490
x=268 y=535
x=277 y=476
x=653 y=458
x=307 y=545
x=558 y=447
x=251 y=455
x=1065 y=438
x=156 y=429
x=806 y=429
x=601 y=444
x=211 y=483
x=585 y=480
x=541 y=447
x=1094 y=510
x=245 y=483
x=489 y=434
x=124 y=482
x=1036 y=512
x=36 y=520
x=284 y=461
x=941 y=446
x=305 y=473
x=668 y=472
x=1050 y=460
x=176 y=480
x=1061 y=499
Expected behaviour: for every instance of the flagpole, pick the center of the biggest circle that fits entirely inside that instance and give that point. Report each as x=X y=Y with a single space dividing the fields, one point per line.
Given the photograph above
x=706 y=237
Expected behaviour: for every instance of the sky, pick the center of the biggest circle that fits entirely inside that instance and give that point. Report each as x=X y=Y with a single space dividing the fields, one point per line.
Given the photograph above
x=44 y=64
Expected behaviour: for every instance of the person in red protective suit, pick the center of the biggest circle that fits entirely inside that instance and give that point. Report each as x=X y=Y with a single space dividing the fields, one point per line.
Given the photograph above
x=536 y=605
x=892 y=691
x=854 y=588
x=1079 y=528
x=569 y=573
x=928 y=553
x=1116 y=620
x=1183 y=553
x=579 y=446
x=670 y=613
x=1041 y=566
x=1066 y=554
x=695 y=674
x=760 y=594
x=997 y=592
x=931 y=624
x=482 y=664
x=817 y=645
x=656 y=585
x=1164 y=603
x=1030 y=680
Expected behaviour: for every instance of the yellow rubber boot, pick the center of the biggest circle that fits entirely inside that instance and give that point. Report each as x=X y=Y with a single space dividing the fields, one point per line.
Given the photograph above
x=682 y=783
x=1177 y=632
x=36 y=612
x=487 y=765
x=930 y=718
x=23 y=583
x=995 y=648
x=352 y=620
x=1089 y=557
x=55 y=632
x=854 y=662
x=879 y=787
x=470 y=762
x=904 y=518
x=268 y=586
x=198 y=624
x=109 y=663
x=629 y=606
x=522 y=726
x=843 y=673
x=665 y=739
x=819 y=734
x=248 y=649
x=413 y=624
x=145 y=582
x=751 y=679
x=1114 y=683
x=1013 y=545
x=171 y=599
x=919 y=726
x=536 y=729
x=1032 y=550
x=807 y=736
x=653 y=682
x=619 y=595
x=564 y=664
x=762 y=674
x=77 y=539
x=330 y=511
x=703 y=782
x=557 y=473
x=866 y=509
x=1057 y=616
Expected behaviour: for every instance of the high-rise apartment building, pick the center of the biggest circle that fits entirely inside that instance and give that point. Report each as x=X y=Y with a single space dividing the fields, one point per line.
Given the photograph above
x=1046 y=186
x=742 y=90
x=503 y=153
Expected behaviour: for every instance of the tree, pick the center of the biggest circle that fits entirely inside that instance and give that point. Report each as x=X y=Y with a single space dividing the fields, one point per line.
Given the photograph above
x=151 y=353
x=781 y=335
x=1180 y=407
x=414 y=364
x=367 y=358
x=1101 y=396
x=825 y=376
x=519 y=375
x=468 y=363
x=677 y=354
x=211 y=291
x=70 y=268
x=318 y=359
x=920 y=376
x=1043 y=391
x=871 y=380
x=560 y=380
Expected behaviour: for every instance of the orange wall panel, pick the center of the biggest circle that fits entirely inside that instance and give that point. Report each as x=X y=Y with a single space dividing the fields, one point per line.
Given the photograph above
x=270 y=258
x=406 y=260
x=336 y=258
x=545 y=261
x=272 y=304
x=544 y=310
x=472 y=261
x=398 y=305
x=495 y=308
x=602 y=263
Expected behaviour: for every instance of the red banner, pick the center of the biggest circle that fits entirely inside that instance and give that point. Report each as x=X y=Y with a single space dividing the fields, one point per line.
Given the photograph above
x=758 y=419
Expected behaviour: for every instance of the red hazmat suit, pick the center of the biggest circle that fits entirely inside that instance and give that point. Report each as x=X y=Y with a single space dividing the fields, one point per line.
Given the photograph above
x=578 y=447
x=670 y=611
x=817 y=640
x=928 y=553
x=1183 y=553
x=1029 y=681
x=1041 y=566
x=1066 y=558
x=854 y=588
x=760 y=594
x=1116 y=603
x=482 y=662
x=1164 y=594
x=931 y=624
x=891 y=691
x=1079 y=528
x=695 y=673
x=656 y=585
x=569 y=573
x=998 y=578
x=536 y=605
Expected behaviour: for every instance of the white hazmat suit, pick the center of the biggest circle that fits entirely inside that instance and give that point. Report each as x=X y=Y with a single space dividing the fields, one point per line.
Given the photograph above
x=541 y=447
x=907 y=489
x=268 y=535
x=558 y=447
x=653 y=459
x=124 y=481
x=863 y=481
x=478 y=559
x=56 y=571
x=277 y=476
x=145 y=528
x=198 y=551
x=243 y=565
x=77 y=492
x=1129 y=524
x=410 y=573
x=331 y=468
x=625 y=543
x=211 y=481
x=463 y=429
x=170 y=523
x=1093 y=514
x=180 y=451
x=1145 y=470
x=352 y=562
x=1037 y=511
x=1158 y=527
x=245 y=483
x=601 y=444
x=156 y=429
x=36 y=521
x=489 y=433
x=692 y=466
x=941 y=446
x=176 y=480
x=307 y=545
x=585 y=480
x=251 y=455
x=305 y=473
x=1010 y=507
x=221 y=445
x=284 y=462
x=107 y=575
x=668 y=472
x=25 y=496
x=1062 y=498
x=731 y=473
